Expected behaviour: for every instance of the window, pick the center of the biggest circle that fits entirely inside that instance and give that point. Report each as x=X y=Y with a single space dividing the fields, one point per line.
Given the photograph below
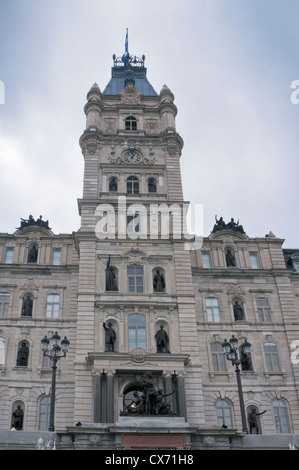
x=4 y=304
x=135 y=278
x=52 y=309
x=152 y=185
x=206 y=259
x=44 y=413
x=9 y=255
x=131 y=123
x=272 y=357
x=133 y=223
x=56 y=257
x=137 y=331
x=218 y=357
x=224 y=413
x=212 y=307
x=113 y=184
x=263 y=310
x=281 y=417
x=254 y=260
x=132 y=185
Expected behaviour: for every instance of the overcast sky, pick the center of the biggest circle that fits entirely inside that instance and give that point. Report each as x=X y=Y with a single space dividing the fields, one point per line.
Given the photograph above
x=230 y=65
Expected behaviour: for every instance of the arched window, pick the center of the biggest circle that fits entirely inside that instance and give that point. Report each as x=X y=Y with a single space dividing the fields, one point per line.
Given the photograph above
x=152 y=185
x=44 y=413
x=131 y=123
x=218 y=357
x=137 y=331
x=272 y=357
x=281 y=417
x=224 y=413
x=132 y=185
x=113 y=184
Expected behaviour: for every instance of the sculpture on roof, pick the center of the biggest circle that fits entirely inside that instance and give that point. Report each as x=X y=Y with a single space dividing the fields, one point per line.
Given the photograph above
x=232 y=225
x=31 y=221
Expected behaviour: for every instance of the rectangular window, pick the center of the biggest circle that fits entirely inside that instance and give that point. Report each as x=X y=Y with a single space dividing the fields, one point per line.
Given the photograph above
x=135 y=278
x=56 y=257
x=137 y=331
x=133 y=223
x=9 y=255
x=212 y=307
x=206 y=259
x=218 y=358
x=263 y=310
x=4 y=304
x=254 y=260
x=52 y=310
x=272 y=358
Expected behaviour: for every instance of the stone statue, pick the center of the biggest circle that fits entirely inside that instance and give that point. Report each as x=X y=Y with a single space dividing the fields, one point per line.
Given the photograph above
x=234 y=226
x=23 y=354
x=220 y=224
x=230 y=258
x=162 y=340
x=113 y=184
x=149 y=391
x=32 y=255
x=18 y=416
x=238 y=311
x=159 y=282
x=31 y=221
x=111 y=281
x=246 y=361
x=253 y=421
x=110 y=337
x=27 y=307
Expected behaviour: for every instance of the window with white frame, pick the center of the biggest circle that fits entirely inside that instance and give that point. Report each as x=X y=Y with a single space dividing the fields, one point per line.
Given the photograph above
x=135 y=278
x=281 y=417
x=56 y=259
x=218 y=357
x=263 y=310
x=4 y=304
x=254 y=261
x=212 y=309
x=52 y=308
x=2 y=350
x=206 y=259
x=44 y=413
x=9 y=255
x=224 y=413
x=137 y=331
x=272 y=357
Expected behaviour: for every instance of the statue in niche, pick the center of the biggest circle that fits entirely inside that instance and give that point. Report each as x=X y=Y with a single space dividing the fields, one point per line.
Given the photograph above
x=23 y=355
x=27 y=305
x=113 y=184
x=246 y=361
x=162 y=340
x=18 y=416
x=32 y=255
x=152 y=185
x=253 y=421
x=110 y=337
x=159 y=282
x=238 y=311
x=111 y=280
x=230 y=258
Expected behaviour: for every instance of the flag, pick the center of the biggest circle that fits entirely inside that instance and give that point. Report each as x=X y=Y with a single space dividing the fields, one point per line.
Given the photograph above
x=125 y=55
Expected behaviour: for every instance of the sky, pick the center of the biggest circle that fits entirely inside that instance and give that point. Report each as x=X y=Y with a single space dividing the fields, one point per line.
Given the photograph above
x=230 y=65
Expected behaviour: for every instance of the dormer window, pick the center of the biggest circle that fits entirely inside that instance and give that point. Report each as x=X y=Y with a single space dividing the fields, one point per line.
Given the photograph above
x=131 y=123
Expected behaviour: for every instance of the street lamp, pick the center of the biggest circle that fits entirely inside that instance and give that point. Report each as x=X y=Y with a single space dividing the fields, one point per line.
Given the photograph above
x=54 y=357
x=230 y=348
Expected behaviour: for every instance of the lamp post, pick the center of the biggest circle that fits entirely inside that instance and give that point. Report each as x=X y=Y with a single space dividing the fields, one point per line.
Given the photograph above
x=54 y=357
x=230 y=348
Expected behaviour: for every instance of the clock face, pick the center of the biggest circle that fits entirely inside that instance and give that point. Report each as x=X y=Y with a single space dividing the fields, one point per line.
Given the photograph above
x=132 y=157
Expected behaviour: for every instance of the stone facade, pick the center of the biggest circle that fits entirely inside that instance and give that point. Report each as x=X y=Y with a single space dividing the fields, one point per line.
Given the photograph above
x=129 y=268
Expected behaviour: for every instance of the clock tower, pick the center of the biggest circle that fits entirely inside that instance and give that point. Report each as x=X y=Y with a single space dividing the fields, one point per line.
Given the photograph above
x=136 y=324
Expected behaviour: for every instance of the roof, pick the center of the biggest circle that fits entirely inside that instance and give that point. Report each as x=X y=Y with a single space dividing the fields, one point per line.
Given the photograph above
x=123 y=73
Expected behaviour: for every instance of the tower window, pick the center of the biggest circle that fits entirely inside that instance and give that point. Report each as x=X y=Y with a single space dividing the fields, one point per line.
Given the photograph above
x=131 y=123
x=132 y=185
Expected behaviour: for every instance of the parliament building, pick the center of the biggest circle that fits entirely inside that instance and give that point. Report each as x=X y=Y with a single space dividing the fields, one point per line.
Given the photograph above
x=146 y=308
